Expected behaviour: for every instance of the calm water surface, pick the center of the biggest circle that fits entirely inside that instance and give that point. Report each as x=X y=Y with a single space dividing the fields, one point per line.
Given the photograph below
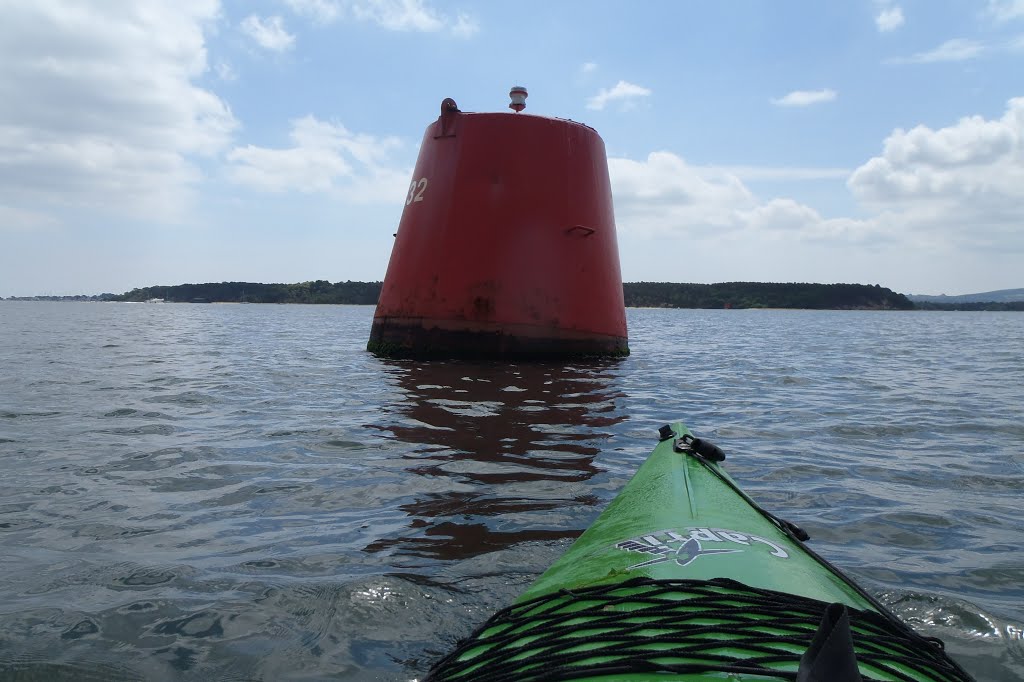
x=241 y=492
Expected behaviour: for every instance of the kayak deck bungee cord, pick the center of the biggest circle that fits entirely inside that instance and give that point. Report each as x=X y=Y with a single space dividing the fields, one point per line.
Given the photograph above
x=684 y=577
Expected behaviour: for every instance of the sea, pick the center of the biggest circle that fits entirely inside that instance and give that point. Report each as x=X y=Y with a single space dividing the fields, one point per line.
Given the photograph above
x=242 y=492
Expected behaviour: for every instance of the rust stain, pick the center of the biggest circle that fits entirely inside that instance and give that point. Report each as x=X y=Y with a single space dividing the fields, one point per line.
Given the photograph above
x=483 y=306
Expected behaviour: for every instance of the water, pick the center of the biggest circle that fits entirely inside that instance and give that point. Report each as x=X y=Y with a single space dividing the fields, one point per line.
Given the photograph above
x=241 y=492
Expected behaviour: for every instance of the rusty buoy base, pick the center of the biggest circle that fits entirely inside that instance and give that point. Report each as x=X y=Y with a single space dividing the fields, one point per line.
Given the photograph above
x=433 y=339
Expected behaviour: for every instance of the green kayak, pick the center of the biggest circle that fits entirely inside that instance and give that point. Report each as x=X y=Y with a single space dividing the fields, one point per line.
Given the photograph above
x=684 y=577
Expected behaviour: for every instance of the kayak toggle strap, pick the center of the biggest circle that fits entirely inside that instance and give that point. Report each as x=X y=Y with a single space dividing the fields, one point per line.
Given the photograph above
x=706 y=452
x=702 y=447
x=690 y=627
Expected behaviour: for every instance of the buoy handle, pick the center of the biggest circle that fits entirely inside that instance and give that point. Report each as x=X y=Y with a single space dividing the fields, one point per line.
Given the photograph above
x=446 y=121
x=587 y=231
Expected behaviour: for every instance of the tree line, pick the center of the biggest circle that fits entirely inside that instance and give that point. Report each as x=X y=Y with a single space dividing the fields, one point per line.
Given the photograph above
x=636 y=294
x=971 y=305
x=764 y=295
x=319 y=291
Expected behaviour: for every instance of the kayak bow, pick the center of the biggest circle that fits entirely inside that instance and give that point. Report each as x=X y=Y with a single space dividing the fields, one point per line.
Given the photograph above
x=684 y=577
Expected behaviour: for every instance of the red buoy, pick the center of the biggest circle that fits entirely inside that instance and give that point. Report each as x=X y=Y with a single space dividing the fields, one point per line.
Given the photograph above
x=506 y=246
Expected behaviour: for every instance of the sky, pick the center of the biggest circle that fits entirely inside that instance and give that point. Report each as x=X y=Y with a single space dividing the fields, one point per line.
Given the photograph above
x=163 y=142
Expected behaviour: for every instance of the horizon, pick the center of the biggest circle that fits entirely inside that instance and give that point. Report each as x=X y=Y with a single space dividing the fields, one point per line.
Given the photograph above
x=869 y=141
x=157 y=286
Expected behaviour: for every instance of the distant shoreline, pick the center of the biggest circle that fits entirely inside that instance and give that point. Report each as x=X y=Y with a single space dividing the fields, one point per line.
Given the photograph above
x=726 y=295
x=992 y=306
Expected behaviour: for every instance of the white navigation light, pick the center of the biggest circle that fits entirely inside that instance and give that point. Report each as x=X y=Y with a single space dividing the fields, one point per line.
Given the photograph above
x=518 y=96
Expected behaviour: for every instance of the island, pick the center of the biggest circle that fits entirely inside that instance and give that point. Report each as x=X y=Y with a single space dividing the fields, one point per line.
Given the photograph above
x=734 y=295
x=724 y=295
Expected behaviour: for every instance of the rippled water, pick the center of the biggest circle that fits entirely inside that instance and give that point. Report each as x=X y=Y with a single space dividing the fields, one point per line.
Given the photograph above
x=241 y=492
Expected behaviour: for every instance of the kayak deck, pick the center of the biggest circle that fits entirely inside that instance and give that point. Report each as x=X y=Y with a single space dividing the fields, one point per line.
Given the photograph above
x=684 y=577
x=681 y=516
x=679 y=630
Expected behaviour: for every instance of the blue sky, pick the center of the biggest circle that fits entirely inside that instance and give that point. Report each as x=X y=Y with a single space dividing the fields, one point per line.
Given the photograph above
x=866 y=141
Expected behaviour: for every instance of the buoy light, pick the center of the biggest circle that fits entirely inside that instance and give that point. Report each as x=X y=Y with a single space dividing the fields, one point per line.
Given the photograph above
x=518 y=96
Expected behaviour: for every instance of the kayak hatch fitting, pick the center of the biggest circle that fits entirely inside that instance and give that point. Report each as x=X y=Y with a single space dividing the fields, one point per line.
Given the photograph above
x=704 y=448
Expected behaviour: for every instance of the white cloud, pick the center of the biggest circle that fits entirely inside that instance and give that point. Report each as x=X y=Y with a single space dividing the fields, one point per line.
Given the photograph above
x=325 y=158
x=1006 y=10
x=399 y=15
x=588 y=67
x=955 y=50
x=958 y=189
x=805 y=98
x=623 y=92
x=664 y=195
x=100 y=107
x=790 y=221
x=965 y=181
x=225 y=72
x=14 y=219
x=464 y=26
x=393 y=15
x=889 y=19
x=783 y=173
x=320 y=11
x=268 y=33
x=785 y=215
